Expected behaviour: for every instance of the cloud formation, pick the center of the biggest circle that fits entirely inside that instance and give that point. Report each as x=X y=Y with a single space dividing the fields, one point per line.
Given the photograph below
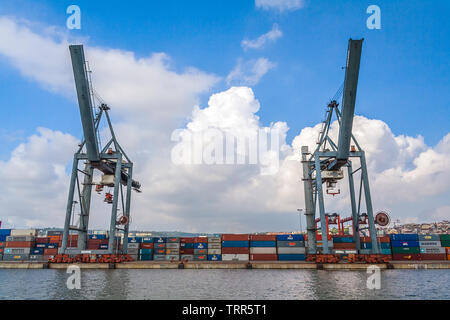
x=249 y=73
x=271 y=36
x=280 y=5
x=149 y=98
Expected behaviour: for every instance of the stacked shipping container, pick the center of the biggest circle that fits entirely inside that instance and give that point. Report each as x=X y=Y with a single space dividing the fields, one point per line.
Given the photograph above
x=291 y=247
x=215 y=248
x=187 y=248
x=263 y=247
x=3 y=234
x=405 y=246
x=235 y=247
x=146 y=249
x=384 y=244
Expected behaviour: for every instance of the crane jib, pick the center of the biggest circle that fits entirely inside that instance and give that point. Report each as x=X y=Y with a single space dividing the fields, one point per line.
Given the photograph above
x=349 y=99
x=84 y=101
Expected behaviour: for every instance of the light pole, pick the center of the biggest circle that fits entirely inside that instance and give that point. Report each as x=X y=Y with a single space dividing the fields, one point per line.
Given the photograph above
x=300 y=215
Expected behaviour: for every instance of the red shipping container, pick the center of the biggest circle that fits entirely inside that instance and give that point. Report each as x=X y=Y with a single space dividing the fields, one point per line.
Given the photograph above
x=42 y=240
x=235 y=250
x=263 y=257
x=344 y=245
x=187 y=240
x=160 y=251
x=186 y=251
x=2 y=244
x=159 y=245
x=432 y=256
x=384 y=239
x=235 y=237
x=201 y=240
x=406 y=257
x=1 y=250
x=263 y=237
x=146 y=245
x=50 y=252
x=201 y=251
x=19 y=244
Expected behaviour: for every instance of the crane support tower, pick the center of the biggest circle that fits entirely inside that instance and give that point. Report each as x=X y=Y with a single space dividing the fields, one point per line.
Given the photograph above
x=325 y=165
x=114 y=165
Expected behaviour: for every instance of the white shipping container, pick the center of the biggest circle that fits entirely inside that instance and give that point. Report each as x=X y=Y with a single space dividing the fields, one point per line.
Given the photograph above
x=24 y=232
x=214 y=245
x=214 y=251
x=263 y=250
x=291 y=250
x=235 y=257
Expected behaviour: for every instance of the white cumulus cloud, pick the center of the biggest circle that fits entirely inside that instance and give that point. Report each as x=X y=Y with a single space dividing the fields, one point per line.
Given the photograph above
x=274 y=34
x=249 y=73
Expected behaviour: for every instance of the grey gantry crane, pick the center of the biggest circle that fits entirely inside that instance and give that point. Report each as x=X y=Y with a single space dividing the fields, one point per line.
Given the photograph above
x=113 y=163
x=324 y=166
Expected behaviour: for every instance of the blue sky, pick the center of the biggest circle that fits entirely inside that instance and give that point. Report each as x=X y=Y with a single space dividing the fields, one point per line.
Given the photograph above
x=404 y=82
x=404 y=76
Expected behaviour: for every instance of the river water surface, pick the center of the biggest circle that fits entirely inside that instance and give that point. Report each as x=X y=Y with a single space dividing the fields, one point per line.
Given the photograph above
x=224 y=284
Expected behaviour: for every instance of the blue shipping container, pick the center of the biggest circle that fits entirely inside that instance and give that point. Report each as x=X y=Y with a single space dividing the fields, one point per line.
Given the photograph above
x=235 y=244
x=5 y=232
x=134 y=240
x=146 y=257
x=37 y=251
x=381 y=245
x=404 y=237
x=290 y=237
x=405 y=244
x=3 y=238
x=159 y=240
x=214 y=257
x=386 y=251
x=200 y=245
x=343 y=240
x=187 y=245
x=146 y=251
x=292 y=257
x=265 y=244
x=147 y=240
x=97 y=236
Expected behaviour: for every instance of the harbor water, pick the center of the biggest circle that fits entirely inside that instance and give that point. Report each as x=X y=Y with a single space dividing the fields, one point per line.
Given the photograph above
x=223 y=284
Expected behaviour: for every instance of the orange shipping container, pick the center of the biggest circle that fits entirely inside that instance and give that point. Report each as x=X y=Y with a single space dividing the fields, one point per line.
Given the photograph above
x=263 y=237
x=263 y=257
x=344 y=245
x=235 y=250
x=50 y=252
x=19 y=244
x=235 y=237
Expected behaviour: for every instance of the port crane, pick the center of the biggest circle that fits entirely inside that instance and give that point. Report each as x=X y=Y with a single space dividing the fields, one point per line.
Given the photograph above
x=111 y=161
x=325 y=165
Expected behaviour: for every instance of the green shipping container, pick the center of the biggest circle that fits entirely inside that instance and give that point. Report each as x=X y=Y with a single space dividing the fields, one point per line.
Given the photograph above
x=445 y=237
x=405 y=250
x=445 y=243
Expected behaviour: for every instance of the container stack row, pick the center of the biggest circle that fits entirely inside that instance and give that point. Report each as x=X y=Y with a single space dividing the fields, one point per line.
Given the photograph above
x=235 y=247
x=215 y=248
x=263 y=248
x=384 y=245
x=291 y=247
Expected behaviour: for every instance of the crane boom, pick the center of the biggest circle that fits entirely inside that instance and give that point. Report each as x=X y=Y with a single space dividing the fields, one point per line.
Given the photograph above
x=349 y=99
x=84 y=101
